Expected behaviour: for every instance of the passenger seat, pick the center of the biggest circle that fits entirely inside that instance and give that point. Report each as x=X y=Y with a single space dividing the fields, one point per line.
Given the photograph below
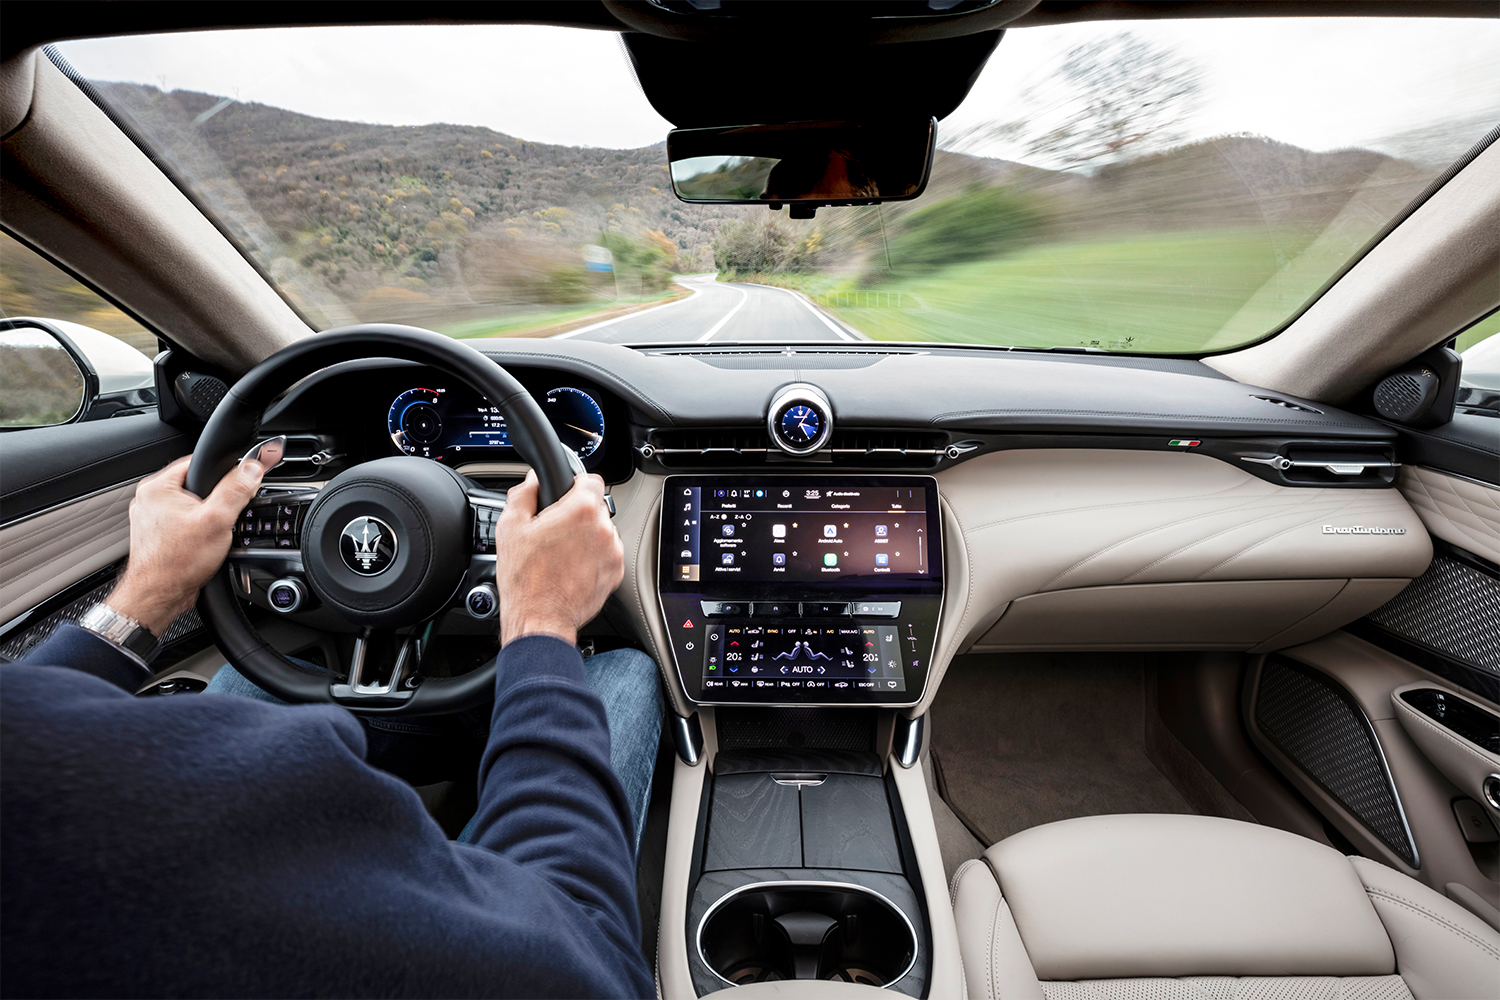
x=1156 y=907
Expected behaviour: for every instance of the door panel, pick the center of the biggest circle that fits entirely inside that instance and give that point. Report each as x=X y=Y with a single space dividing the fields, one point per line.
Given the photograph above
x=47 y=466
x=65 y=498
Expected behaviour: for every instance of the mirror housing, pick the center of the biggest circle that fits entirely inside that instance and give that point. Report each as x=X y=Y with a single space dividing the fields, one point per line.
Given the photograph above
x=49 y=366
x=806 y=165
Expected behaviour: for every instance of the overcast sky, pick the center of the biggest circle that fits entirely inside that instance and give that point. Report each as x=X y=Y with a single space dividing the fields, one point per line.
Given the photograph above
x=1317 y=83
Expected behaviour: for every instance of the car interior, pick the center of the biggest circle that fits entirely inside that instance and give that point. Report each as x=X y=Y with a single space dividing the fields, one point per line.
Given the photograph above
x=1095 y=672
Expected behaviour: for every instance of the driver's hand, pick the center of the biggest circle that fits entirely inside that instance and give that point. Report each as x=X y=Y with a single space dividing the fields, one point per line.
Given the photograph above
x=177 y=541
x=554 y=569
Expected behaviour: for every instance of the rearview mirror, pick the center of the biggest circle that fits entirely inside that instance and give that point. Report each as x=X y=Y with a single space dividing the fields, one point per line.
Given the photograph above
x=802 y=164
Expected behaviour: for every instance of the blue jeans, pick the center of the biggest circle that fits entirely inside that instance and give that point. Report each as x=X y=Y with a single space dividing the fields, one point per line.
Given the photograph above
x=625 y=681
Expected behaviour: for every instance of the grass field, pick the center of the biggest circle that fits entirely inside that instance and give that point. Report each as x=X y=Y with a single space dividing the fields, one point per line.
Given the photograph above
x=1158 y=293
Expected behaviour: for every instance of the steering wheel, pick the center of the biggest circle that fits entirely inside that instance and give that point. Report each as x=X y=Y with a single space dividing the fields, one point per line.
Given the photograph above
x=422 y=512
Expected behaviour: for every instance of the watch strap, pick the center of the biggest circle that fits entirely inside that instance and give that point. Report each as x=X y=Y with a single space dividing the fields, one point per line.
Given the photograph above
x=120 y=629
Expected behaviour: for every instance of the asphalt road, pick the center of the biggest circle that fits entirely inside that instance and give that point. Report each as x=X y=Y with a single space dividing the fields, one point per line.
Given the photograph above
x=721 y=312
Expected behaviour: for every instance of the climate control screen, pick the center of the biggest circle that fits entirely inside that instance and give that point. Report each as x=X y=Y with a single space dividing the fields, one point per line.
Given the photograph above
x=811 y=533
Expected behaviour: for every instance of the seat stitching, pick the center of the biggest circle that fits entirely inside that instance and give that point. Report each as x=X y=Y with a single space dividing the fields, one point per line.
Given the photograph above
x=1418 y=908
x=958 y=877
x=989 y=957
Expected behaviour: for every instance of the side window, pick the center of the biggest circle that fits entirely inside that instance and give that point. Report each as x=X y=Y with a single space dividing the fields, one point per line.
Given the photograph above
x=31 y=285
x=1479 y=385
x=65 y=353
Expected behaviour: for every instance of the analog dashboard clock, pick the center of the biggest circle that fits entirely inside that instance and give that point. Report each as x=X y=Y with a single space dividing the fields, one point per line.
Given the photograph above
x=800 y=420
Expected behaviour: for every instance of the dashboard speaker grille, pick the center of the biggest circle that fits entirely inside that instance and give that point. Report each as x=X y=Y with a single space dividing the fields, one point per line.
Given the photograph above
x=1453 y=608
x=1316 y=724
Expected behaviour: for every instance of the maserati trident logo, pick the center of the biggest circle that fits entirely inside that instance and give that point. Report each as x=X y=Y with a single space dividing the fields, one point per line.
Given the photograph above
x=368 y=546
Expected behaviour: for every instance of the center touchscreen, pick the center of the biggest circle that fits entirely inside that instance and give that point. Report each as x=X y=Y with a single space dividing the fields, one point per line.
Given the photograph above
x=804 y=535
x=801 y=589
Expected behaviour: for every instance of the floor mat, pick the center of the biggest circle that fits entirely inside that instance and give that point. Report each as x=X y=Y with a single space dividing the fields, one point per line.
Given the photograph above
x=1022 y=739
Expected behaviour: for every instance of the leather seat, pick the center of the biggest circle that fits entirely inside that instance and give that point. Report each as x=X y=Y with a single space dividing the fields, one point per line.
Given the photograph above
x=1148 y=907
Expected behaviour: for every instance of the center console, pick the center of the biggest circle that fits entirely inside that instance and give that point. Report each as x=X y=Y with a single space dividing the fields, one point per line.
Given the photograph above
x=801 y=589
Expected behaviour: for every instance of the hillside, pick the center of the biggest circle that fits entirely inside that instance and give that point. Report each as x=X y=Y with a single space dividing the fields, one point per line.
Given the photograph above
x=445 y=224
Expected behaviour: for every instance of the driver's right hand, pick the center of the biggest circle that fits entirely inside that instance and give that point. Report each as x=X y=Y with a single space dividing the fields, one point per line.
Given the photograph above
x=554 y=569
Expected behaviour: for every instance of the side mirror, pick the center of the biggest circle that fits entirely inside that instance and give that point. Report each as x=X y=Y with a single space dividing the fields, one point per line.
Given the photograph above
x=42 y=380
x=803 y=164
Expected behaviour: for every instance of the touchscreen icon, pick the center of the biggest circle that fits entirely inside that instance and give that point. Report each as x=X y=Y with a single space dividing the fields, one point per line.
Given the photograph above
x=830 y=531
x=879 y=531
x=778 y=531
x=728 y=530
x=882 y=559
x=778 y=558
x=727 y=559
x=830 y=559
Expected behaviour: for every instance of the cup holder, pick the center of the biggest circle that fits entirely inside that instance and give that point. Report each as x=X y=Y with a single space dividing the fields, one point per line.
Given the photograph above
x=807 y=930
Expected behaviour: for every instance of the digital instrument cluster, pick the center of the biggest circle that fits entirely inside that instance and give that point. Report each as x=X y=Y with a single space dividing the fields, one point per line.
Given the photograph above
x=454 y=424
x=801 y=589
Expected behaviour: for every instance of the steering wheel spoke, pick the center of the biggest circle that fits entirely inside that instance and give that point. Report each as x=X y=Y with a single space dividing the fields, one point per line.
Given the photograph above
x=382 y=668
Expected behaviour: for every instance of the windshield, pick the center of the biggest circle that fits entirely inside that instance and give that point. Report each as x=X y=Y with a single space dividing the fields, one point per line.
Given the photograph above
x=1156 y=187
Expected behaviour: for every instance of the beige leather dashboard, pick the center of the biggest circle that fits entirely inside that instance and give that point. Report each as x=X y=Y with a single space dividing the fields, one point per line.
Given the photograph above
x=1111 y=549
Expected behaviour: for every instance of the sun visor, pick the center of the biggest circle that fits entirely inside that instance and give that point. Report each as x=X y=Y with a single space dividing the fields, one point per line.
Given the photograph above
x=700 y=85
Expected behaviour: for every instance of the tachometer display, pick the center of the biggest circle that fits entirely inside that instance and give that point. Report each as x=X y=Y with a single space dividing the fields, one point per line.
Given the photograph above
x=414 y=422
x=577 y=418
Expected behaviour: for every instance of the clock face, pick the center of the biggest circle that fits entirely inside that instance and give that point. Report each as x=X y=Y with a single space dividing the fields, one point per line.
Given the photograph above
x=801 y=425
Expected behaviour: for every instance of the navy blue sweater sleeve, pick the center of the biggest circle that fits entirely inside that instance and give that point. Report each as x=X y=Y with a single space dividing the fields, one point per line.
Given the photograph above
x=93 y=654
x=212 y=845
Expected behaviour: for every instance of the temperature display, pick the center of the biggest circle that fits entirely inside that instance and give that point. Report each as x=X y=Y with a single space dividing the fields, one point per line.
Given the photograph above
x=832 y=658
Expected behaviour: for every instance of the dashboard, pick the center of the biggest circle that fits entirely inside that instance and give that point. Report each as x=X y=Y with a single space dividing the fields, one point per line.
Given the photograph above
x=829 y=525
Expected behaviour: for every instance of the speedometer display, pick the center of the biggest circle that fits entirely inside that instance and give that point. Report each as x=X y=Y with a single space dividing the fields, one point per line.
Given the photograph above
x=577 y=418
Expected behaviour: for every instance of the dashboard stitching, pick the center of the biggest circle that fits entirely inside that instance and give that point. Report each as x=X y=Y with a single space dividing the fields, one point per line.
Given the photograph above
x=524 y=360
x=1206 y=538
x=1162 y=527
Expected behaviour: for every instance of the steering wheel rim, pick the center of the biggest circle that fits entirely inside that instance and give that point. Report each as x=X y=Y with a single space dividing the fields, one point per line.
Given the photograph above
x=231 y=431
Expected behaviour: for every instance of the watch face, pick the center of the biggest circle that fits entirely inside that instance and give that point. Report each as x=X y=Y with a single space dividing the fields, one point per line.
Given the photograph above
x=800 y=425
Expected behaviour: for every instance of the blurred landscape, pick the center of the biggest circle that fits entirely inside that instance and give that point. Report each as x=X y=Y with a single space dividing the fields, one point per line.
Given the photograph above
x=1132 y=240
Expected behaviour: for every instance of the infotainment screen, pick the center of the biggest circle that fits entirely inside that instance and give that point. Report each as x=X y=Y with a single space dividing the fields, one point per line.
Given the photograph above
x=806 y=534
x=801 y=589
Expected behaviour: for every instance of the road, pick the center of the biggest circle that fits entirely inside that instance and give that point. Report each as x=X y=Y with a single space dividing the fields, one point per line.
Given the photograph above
x=722 y=312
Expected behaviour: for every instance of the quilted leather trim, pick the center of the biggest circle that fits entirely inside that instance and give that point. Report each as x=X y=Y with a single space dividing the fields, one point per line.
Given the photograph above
x=1459 y=511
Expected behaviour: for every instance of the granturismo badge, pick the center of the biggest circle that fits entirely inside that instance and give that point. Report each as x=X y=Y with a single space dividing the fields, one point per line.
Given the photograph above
x=1359 y=529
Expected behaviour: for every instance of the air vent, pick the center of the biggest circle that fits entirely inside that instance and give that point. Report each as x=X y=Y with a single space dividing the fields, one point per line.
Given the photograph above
x=738 y=448
x=704 y=449
x=887 y=448
x=1286 y=404
x=1318 y=463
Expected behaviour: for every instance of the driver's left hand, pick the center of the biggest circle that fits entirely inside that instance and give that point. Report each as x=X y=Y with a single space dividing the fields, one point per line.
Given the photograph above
x=177 y=541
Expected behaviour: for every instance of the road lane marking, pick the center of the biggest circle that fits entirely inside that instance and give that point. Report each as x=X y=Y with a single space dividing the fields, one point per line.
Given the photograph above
x=827 y=321
x=695 y=289
x=744 y=297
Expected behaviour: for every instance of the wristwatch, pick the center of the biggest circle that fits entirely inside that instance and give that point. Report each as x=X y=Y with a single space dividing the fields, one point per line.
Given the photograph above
x=122 y=630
